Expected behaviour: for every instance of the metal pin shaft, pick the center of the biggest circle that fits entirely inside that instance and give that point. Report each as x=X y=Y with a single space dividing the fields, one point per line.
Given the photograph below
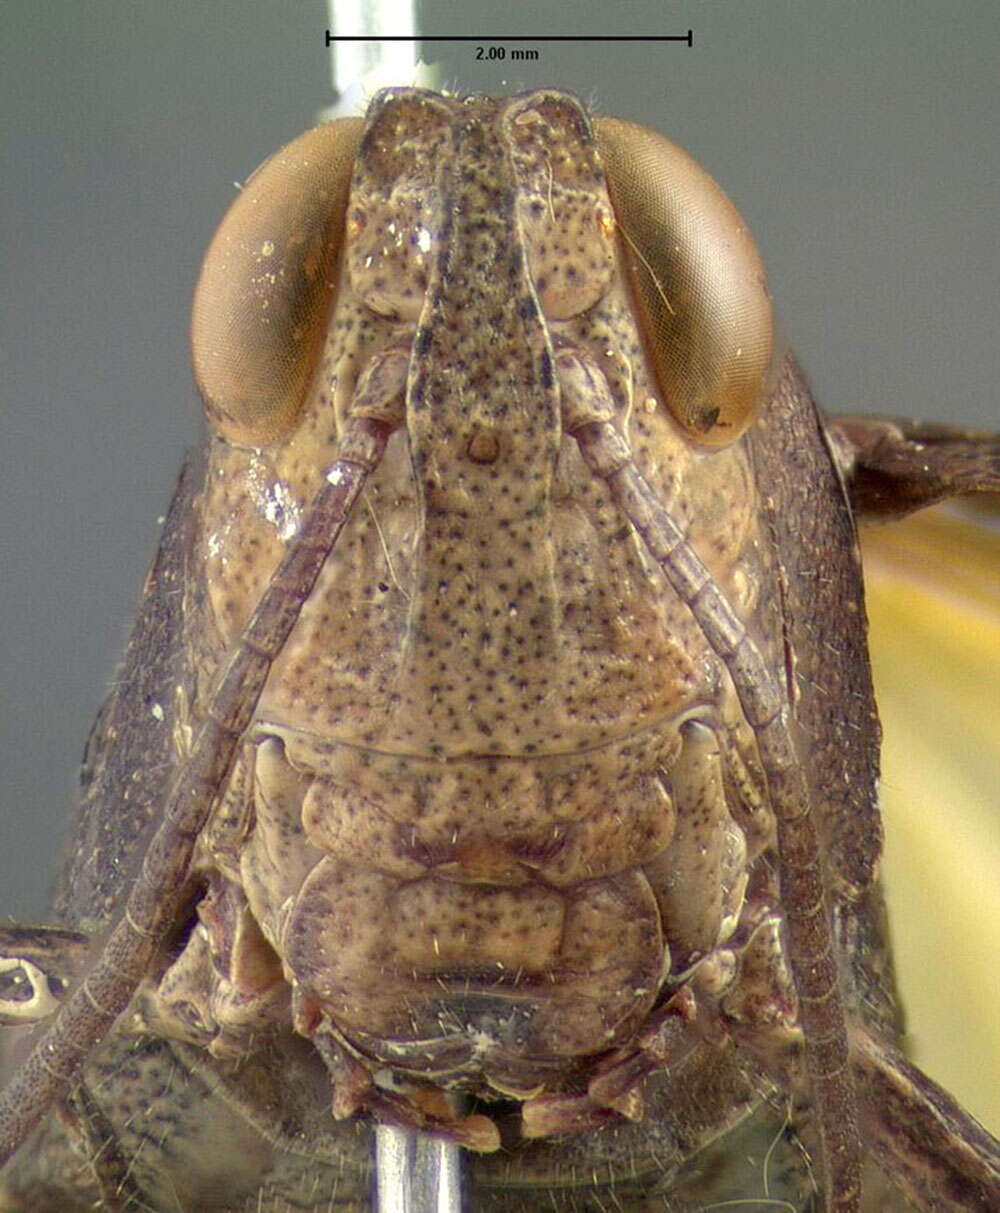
x=415 y=1173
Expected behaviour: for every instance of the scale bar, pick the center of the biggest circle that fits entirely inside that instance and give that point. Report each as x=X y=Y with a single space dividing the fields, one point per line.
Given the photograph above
x=687 y=38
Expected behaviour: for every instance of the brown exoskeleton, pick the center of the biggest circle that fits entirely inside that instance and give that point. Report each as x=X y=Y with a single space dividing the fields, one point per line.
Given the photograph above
x=529 y=800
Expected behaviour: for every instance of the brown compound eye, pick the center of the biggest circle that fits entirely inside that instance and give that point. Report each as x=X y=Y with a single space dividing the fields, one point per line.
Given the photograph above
x=266 y=285
x=698 y=280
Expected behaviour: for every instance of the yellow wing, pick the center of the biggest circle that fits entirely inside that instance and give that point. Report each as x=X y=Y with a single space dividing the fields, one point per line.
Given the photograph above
x=933 y=590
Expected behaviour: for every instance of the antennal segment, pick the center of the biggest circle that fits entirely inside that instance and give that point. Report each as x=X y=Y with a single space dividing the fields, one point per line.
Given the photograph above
x=161 y=886
x=810 y=939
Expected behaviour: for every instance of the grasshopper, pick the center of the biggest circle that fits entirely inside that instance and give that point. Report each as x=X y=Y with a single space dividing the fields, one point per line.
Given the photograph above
x=472 y=766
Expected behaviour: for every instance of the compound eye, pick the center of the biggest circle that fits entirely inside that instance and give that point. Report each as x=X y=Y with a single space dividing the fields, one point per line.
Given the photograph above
x=698 y=281
x=267 y=283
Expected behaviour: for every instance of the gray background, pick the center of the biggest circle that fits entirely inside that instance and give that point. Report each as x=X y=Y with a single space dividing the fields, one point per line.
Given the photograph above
x=860 y=142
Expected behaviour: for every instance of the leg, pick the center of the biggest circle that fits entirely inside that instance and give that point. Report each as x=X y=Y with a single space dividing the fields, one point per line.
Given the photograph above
x=894 y=467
